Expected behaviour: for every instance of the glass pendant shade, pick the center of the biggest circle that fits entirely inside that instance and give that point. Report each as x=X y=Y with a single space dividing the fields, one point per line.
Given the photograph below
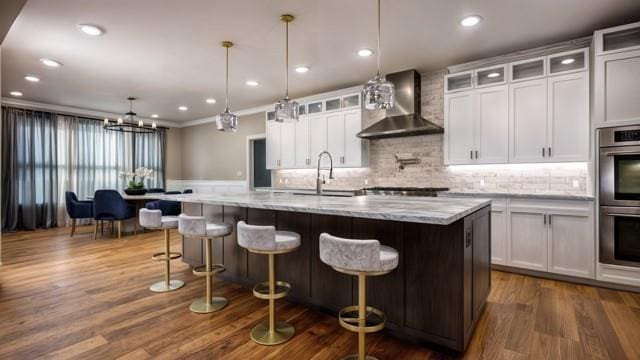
x=227 y=121
x=378 y=94
x=287 y=110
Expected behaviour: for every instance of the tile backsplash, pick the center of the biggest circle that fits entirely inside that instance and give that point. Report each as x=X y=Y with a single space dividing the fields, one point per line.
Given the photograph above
x=566 y=178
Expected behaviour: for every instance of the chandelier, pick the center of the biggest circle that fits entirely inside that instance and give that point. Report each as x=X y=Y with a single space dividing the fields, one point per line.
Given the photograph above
x=286 y=109
x=226 y=121
x=128 y=124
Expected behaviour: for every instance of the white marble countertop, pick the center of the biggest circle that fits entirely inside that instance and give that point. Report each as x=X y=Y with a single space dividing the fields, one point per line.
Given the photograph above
x=517 y=195
x=428 y=210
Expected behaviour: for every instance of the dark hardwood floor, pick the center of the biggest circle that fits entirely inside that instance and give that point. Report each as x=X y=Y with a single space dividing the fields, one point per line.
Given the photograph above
x=83 y=299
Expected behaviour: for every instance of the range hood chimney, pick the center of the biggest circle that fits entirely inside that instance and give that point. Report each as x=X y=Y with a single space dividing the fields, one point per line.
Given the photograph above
x=404 y=118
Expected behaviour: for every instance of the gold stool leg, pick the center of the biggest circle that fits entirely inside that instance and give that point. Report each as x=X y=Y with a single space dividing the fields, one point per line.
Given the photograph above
x=362 y=321
x=276 y=332
x=209 y=303
x=168 y=284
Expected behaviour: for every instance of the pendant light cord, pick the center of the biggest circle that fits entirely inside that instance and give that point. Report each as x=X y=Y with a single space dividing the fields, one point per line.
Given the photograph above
x=226 y=82
x=286 y=62
x=378 y=37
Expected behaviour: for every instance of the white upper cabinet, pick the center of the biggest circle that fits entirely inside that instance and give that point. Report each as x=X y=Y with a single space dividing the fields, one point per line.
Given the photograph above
x=318 y=138
x=354 y=147
x=492 y=125
x=459 y=128
x=568 y=137
x=528 y=111
x=303 y=145
x=528 y=121
x=616 y=93
x=330 y=124
x=273 y=144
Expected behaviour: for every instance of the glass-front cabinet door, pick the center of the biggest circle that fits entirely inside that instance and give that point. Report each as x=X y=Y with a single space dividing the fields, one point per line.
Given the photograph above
x=528 y=69
x=569 y=61
x=494 y=75
x=458 y=81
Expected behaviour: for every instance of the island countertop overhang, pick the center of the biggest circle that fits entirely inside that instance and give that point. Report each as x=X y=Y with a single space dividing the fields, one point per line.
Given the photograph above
x=425 y=210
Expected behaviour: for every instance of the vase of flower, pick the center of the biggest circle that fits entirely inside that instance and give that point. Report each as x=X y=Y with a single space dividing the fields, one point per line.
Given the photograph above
x=136 y=181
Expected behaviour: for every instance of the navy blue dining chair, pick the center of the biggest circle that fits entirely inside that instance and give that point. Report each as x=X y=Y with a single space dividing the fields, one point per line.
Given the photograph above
x=167 y=207
x=77 y=209
x=108 y=205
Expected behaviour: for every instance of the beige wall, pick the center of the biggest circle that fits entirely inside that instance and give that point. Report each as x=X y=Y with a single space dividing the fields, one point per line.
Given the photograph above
x=174 y=154
x=209 y=154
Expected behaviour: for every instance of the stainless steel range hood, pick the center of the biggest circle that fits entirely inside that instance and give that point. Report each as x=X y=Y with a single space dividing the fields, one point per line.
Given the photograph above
x=404 y=118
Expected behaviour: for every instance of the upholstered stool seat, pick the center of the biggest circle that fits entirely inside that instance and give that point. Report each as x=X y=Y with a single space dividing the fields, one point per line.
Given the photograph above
x=361 y=258
x=266 y=240
x=198 y=227
x=153 y=219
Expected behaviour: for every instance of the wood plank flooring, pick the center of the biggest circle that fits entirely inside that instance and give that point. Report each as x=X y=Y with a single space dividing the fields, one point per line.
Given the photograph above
x=63 y=298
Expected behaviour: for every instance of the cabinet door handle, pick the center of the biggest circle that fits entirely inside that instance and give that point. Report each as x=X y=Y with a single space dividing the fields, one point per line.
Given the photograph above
x=542 y=152
x=471 y=154
x=544 y=216
x=476 y=154
x=549 y=152
x=549 y=219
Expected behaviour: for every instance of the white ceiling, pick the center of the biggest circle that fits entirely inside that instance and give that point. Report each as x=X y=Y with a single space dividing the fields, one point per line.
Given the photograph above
x=167 y=52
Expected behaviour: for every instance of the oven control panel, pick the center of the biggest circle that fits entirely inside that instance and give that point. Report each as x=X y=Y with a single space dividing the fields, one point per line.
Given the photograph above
x=627 y=135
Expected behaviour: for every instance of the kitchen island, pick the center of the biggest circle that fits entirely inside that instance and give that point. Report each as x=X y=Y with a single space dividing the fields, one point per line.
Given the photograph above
x=437 y=293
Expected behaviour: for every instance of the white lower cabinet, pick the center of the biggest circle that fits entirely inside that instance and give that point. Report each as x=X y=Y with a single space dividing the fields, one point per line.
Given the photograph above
x=499 y=232
x=528 y=239
x=555 y=236
x=571 y=244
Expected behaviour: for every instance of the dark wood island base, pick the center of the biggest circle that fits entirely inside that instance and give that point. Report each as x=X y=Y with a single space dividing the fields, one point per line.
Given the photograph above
x=436 y=295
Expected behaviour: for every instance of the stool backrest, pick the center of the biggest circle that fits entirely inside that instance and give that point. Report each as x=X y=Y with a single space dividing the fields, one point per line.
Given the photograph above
x=192 y=225
x=349 y=254
x=256 y=237
x=151 y=219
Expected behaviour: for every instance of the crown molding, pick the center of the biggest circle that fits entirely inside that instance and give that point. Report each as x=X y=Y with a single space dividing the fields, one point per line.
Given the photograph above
x=69 y=110
x=265 y=108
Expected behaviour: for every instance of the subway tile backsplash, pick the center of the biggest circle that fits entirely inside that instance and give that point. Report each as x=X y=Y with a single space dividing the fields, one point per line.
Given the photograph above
x=565 y=178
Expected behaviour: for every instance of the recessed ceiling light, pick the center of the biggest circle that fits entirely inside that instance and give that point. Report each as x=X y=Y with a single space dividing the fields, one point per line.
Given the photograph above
x=91 y=30
x=493 y=74
x=365 y=52
x=50 y=63
x=470 y=21
x=155 y=116
x=252 y=83
x=302 y=69
x=567 y=61
x=15 y=93
x=183 y=108
x=31 y=78
x=211 y=101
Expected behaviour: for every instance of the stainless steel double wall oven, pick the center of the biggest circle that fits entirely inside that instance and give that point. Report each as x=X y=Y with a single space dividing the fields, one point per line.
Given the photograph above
x=620 y=196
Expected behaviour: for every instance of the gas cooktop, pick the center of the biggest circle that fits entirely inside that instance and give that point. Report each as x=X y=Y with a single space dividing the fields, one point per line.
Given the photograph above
x=407 y=191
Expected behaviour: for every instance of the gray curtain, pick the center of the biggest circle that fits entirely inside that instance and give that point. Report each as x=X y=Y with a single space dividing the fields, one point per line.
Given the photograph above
x=149 y=150
x=29 y=169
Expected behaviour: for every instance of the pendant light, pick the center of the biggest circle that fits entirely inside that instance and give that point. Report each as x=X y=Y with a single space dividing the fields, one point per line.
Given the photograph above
x=226 y=121
x=378 y=93
x=286 y=109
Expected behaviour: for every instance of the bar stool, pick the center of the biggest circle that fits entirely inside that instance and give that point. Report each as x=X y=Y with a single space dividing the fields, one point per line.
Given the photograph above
x=197 y=226
x=360 y=258
x=153 y=219
x=266 y=240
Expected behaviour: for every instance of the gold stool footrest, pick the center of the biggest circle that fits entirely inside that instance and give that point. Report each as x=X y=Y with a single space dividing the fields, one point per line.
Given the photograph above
x=261 y=290
x=348 y=318
x=163 y=257
x=201 y=270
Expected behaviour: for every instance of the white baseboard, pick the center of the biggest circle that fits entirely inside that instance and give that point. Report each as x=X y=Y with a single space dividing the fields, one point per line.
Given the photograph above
x=207 y=186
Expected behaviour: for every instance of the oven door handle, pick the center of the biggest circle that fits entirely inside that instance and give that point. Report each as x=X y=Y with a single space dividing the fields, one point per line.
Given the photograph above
x=624 y=215
x=614 y=153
